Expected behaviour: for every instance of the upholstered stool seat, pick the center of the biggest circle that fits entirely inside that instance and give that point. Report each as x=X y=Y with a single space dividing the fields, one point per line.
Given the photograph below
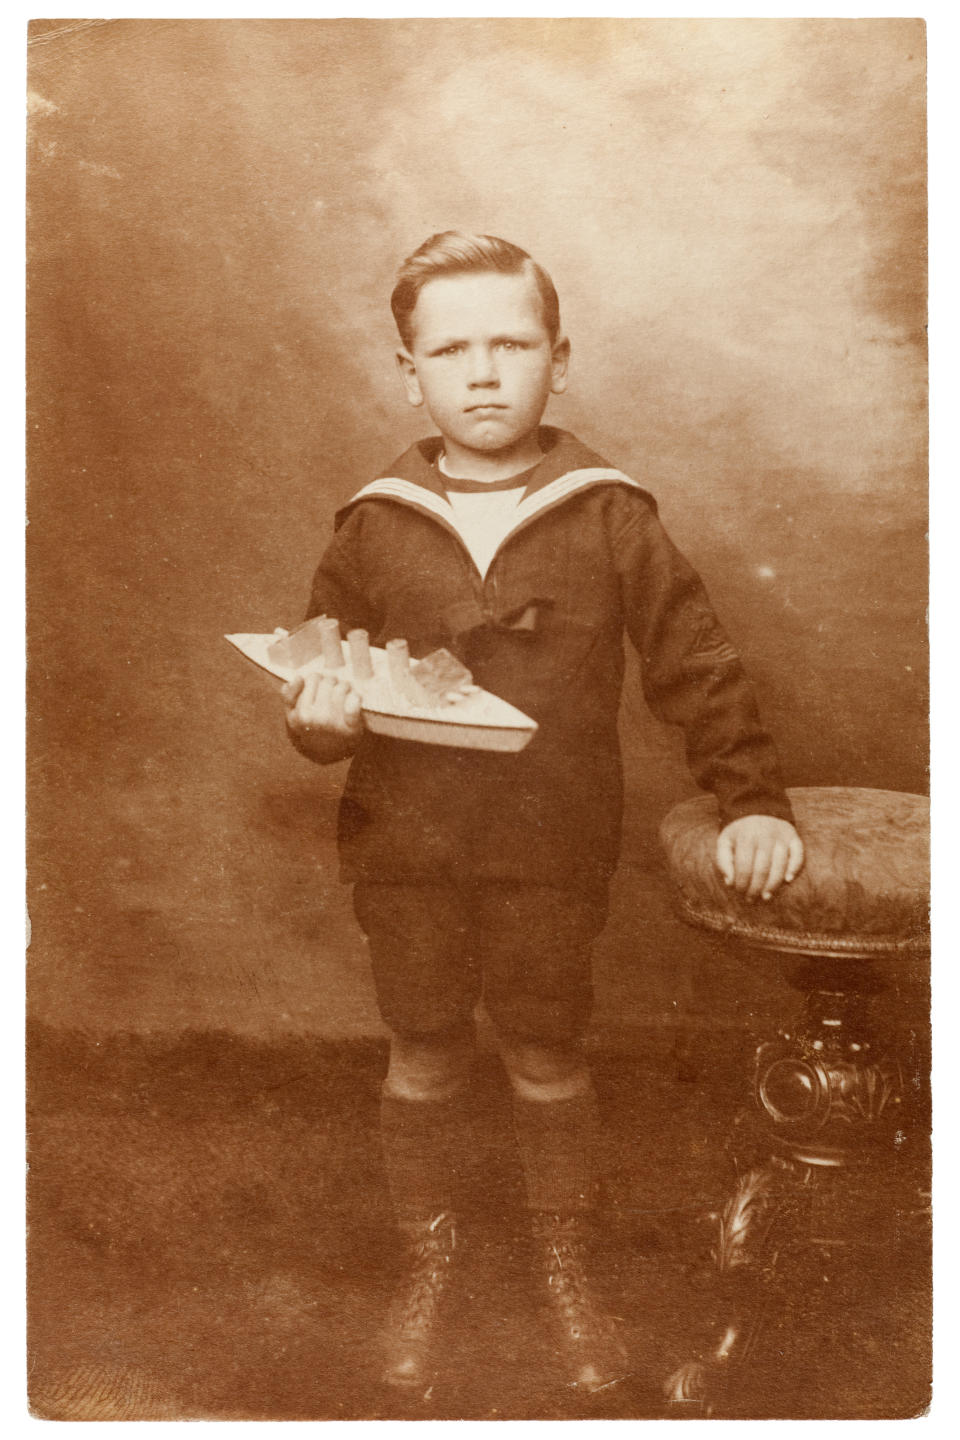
x=828 y=1092
x=862 y=891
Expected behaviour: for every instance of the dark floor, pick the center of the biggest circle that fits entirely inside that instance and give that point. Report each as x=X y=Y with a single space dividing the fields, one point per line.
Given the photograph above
x=209 y=1238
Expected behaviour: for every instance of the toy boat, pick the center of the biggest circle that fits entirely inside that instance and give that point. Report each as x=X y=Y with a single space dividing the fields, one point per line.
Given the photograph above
x=433 y=700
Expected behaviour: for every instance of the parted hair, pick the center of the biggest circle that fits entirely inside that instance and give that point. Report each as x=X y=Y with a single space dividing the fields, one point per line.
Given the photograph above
x=452 y=252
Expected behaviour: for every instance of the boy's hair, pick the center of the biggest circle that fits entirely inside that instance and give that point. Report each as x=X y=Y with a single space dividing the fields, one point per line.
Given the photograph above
x=454 y=253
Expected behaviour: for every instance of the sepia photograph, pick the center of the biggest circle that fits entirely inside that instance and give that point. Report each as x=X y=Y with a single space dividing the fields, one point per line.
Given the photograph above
x=478 y=821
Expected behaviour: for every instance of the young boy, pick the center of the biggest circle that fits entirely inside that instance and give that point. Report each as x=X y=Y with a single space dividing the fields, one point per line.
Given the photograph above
x=528 y=556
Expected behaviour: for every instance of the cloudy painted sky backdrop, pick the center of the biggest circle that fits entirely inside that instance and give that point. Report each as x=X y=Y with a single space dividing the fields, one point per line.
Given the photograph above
x=733 y=212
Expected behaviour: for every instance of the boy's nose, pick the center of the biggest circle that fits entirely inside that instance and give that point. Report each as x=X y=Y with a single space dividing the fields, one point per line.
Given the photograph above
x=483 y=370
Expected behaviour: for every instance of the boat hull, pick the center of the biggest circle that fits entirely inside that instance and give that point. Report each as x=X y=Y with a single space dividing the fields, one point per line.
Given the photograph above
x=479 y=721
x=508 y=739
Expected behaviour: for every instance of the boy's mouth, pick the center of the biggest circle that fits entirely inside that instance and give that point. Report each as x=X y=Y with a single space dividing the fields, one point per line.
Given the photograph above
x=486 y=405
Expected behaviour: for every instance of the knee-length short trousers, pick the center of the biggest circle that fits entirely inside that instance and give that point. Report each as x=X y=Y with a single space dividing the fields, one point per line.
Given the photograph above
x=436 y=949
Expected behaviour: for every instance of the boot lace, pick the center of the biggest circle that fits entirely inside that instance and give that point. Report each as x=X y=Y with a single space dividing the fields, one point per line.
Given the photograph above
x=416 y=1302
x=564 y=1250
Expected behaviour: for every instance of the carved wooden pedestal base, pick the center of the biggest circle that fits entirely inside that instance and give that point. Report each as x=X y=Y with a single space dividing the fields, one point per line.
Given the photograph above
x=815 y=1158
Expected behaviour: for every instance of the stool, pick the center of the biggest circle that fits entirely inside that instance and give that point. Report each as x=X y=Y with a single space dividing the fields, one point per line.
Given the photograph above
x=826 y=1121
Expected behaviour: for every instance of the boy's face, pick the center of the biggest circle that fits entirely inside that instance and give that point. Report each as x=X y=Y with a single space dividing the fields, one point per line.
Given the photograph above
x=481 y=359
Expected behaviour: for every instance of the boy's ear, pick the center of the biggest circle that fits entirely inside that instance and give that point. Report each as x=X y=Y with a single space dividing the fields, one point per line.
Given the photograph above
x=559 y=361
x=408 y=374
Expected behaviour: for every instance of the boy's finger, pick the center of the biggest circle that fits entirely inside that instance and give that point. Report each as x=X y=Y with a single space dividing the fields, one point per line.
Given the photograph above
x=338 y=699
x=308 y=694
x=760 y=870
x=324 y=699
x=743 y=854
x=725 y=857
x=794 y=859
x=314 y=704
x=778 y=868
x=291 y=691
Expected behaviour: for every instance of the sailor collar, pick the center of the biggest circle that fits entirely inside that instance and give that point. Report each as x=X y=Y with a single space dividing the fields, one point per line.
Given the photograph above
x=567 y=469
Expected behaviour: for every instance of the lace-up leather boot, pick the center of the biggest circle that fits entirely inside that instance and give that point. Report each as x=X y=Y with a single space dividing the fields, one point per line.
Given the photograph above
x=590 y=1349
x=412 y=1321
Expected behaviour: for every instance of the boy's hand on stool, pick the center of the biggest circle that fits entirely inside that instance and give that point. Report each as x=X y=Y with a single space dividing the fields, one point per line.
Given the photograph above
x=757 y=853
x=323 y=715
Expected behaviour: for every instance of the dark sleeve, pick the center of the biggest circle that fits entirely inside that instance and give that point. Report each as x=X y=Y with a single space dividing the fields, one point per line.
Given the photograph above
x=338 y=591
x=339 y=586
x=692 y=676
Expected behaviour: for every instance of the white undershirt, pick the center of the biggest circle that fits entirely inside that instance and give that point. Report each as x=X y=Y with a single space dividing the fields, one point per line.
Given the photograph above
x=483 y=521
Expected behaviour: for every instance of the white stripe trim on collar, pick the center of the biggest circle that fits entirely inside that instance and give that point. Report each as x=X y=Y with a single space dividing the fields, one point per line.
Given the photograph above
x=565 y=485
x=391 y=487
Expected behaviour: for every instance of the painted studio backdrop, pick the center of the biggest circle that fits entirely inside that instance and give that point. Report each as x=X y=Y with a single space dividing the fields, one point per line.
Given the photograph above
x=733 y=215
